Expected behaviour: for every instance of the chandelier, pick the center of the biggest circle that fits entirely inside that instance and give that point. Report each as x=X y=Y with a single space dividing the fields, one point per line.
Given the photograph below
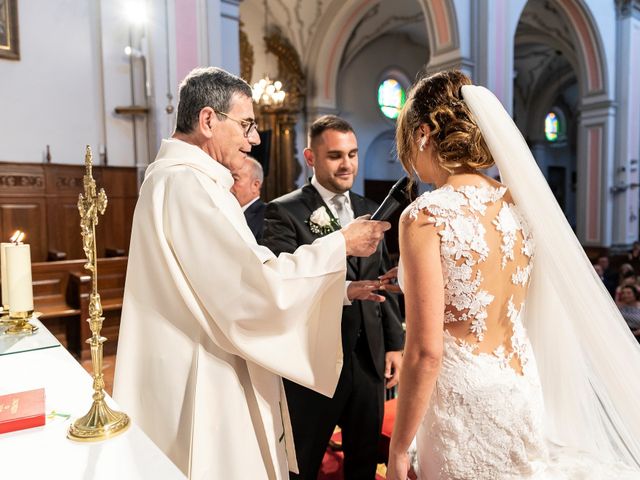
x=268 y=92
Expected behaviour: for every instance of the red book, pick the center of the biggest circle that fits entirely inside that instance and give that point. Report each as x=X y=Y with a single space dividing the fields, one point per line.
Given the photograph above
x=22 y=410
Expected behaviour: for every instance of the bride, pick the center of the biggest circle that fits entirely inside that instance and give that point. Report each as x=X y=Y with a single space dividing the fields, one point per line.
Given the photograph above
x=517 y=363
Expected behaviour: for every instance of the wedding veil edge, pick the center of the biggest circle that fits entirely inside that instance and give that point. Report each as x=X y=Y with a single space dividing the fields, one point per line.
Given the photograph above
x=585 y=353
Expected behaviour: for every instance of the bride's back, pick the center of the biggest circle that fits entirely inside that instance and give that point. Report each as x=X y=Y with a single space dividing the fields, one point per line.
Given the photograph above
x=486 y=253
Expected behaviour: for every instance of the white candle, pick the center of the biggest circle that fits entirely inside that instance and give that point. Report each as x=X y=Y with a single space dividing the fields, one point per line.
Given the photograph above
x=5 y=282
x=19 y=278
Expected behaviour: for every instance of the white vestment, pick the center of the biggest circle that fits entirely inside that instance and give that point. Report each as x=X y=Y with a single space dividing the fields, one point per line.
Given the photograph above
x=211 y=321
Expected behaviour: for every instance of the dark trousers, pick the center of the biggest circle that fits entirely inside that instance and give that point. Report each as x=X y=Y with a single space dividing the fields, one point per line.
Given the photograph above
x=357 y=407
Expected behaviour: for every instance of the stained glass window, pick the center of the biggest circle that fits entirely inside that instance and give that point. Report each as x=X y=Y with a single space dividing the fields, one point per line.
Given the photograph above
x=551 y=127
x=391 y=98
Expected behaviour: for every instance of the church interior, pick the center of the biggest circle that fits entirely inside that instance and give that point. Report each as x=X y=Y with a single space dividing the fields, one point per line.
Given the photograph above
x=104 y=74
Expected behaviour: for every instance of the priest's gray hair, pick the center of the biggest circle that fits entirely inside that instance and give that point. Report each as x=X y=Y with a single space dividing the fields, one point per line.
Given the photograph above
x=206 y=87
x=256 y=169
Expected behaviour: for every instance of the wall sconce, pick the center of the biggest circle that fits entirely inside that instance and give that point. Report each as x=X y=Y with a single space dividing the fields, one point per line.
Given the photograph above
x=136 y=52
x=136 y=15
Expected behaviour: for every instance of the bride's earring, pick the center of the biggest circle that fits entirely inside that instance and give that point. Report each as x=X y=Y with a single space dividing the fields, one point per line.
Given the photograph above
x=423 y=143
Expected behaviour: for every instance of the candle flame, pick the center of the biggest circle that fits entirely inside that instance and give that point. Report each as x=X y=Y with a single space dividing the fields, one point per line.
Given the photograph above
x=17 y=237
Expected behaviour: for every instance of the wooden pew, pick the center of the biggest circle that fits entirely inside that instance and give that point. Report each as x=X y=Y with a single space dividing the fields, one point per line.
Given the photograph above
x=61 y=293
x=111 y=277
x=53 y=296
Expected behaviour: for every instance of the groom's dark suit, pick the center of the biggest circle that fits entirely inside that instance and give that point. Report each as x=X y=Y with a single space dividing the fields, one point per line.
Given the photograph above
x=369 y=330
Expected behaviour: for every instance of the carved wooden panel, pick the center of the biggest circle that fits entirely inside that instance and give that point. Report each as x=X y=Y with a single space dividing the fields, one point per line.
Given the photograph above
x=121 y=186
x=21 y=179
x=114 y=230
x=66 y=179
x=43 y=199
x=26 y=181
x=63 y=225
x=28 y=215
x=120 y=181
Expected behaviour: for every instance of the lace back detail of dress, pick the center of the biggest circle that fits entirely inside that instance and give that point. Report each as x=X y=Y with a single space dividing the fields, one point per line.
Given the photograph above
x=483 y=236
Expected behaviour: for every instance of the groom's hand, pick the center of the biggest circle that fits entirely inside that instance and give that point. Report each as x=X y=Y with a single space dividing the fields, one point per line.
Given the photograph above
x=389 y=281
x=362 y=236
x=365 y=290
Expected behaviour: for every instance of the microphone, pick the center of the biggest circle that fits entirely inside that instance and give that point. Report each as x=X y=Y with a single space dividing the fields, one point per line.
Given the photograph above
x=393 y=200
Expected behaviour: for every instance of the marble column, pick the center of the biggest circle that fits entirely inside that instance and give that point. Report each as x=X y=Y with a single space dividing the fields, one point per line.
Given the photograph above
x=223 y=34
x=595 y=151
x=495 y=27
x=451 y=41
x=625 y=191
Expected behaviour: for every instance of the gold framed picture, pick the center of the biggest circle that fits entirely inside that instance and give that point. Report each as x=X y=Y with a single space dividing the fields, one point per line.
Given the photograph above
x=9 y=44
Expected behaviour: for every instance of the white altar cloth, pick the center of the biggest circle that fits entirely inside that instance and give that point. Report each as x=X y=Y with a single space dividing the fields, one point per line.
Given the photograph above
x=45 y=452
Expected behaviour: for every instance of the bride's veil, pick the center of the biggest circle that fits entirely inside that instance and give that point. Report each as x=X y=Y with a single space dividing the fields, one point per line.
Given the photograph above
x=587 y=357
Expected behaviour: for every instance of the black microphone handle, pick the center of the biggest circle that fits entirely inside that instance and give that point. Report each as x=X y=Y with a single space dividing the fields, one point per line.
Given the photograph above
x=384 y=211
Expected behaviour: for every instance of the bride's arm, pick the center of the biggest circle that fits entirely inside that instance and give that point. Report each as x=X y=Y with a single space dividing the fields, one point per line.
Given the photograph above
x=424 y=305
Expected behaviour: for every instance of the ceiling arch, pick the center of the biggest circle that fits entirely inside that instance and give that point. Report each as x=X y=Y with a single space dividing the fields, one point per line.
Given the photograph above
x=335 y=29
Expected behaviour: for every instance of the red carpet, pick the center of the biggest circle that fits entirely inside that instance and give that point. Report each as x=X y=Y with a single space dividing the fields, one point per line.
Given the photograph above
x=331 y=468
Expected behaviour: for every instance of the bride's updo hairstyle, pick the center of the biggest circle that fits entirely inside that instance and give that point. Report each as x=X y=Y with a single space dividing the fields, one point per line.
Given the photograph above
x=437 y=101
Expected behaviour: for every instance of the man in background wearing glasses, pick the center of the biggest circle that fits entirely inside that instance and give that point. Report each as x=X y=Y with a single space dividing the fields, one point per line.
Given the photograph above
x=211 y=321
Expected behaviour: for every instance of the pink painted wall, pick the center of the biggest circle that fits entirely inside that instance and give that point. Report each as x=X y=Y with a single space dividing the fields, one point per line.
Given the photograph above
x=594 y=146
x=588 y=45
x=335 y=53
x=442 y=23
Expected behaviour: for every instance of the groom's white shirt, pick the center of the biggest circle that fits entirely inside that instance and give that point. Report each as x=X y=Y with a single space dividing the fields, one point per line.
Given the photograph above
x=211 y=320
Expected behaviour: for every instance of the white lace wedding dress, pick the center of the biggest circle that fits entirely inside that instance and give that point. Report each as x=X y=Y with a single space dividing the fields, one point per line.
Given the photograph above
x=486 y=416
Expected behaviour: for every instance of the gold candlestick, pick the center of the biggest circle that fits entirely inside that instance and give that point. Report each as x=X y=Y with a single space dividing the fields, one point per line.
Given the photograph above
x=20 y=323
x=101 y=422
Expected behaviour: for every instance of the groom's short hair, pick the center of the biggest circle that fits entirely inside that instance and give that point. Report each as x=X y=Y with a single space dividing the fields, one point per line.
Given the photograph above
x=327 y=122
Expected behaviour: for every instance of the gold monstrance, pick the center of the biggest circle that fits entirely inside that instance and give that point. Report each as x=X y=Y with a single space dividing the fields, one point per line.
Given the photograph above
x=101 y=422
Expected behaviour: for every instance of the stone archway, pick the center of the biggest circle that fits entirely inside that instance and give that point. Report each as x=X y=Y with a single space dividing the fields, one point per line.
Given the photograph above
x=595 y=128
x=326 y=48
x=576 y=38
x=592 y=72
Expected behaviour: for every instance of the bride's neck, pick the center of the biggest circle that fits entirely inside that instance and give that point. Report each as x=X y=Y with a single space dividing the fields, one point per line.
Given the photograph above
x=458 y=177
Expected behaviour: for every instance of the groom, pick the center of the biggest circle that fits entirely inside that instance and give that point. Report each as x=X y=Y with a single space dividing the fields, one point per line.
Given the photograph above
x=372 y=335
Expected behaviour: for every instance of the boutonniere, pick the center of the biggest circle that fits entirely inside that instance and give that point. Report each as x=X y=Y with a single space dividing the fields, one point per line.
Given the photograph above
x=321 y=222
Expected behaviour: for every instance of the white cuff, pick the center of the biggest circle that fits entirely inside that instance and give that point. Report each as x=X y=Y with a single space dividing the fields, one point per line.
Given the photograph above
x=346 y=302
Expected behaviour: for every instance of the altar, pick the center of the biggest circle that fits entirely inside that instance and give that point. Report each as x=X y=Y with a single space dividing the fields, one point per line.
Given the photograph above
x=39 y=361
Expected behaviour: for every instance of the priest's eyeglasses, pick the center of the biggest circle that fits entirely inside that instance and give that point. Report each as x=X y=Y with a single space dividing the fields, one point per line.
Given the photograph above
x=247 y=125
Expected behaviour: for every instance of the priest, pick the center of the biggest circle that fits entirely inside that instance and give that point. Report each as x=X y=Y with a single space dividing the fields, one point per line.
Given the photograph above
x=211 y=321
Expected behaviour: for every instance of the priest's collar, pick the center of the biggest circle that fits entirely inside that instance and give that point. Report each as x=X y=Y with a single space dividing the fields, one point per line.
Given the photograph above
x=177 y=152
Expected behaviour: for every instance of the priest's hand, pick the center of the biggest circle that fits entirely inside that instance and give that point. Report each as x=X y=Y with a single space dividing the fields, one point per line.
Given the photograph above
x=364 y=290
x=363 y=235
